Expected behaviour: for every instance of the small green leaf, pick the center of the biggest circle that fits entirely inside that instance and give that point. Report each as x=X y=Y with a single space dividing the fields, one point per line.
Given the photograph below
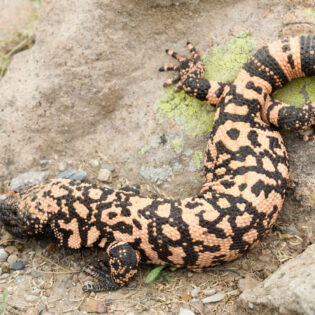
x=153 y=274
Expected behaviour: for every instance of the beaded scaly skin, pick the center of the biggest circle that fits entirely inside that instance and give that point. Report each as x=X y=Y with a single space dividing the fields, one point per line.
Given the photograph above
x=246 y=166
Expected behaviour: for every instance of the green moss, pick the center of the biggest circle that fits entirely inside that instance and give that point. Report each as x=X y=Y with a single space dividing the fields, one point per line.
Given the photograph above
x=197 y=158
x=144 y=150
x=310 y=12
x=225 y=62
x=291 y=94
x=178 y=144
x=222 y=64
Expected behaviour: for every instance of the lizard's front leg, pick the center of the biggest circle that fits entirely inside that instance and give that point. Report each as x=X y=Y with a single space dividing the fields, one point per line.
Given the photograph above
x=191 y=78
x=123 y=265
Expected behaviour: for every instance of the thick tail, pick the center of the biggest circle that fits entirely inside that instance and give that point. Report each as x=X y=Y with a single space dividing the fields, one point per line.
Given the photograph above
x=283 y=60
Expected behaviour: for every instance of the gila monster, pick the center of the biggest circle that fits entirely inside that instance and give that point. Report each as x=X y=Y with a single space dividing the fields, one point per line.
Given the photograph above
x=246 y=166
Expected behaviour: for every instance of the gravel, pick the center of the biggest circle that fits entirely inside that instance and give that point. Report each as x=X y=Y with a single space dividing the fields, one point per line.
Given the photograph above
x=73 y=174
x=3 y=255
x=28 y=179
x=213 y=298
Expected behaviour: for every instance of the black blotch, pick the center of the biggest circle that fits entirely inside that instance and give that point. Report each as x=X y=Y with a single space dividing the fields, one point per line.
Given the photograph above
x=112 y=215
x=242 y=187
x=265 y=96
x=233 y=133
x=253 y=138
x=251 y=86
x=137 y=224
x=286 y=48
x=227 y=184
x=291 y=61
x=219 y=91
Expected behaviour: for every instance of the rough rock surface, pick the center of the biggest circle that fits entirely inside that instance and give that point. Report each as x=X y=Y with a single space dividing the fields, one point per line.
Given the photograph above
x=290 y=290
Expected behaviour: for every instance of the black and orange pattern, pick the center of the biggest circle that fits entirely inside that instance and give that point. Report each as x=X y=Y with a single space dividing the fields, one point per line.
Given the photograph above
x=246 y=166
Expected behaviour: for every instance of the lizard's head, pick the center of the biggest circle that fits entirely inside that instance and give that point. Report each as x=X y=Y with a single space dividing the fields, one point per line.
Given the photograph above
x=18 y=221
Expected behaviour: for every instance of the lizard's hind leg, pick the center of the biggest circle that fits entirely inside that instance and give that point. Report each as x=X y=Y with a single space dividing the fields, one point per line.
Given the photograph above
x=289 y=117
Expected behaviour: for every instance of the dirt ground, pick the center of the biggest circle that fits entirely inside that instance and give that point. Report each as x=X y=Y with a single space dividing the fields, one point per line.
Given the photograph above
x=87 y=90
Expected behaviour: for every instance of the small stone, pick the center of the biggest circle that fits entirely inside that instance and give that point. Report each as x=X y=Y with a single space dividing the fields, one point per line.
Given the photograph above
x=195 y=292
x=41 y=308
x=94 y=163
x=73 y=174
x=30 y=298
x=5 y=268
x=11 y=249
x=214 y=298
x=109 y=167
x=62 y=166
x=12 y=259
x=250 y=305
x=18 y=265
x=35 y=291
x=185 y=311
x=19 y=279
x=109 y=302
x=27 y=179
x=185 y=296
x=4 y=276
x=104 y=175
x=3 y=255
x=95 y=306
x=154 y=141
x=247 y=283
x=209 y=292
x=3 y=197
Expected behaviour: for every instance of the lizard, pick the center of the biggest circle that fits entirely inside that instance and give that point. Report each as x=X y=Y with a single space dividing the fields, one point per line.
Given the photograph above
x=246 y=170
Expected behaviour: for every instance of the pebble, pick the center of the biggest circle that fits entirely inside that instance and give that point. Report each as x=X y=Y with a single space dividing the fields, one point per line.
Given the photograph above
x=247 y=283
x=213 y=298
x=11 y=249
x=28 y=179
x=73 y=174
x=185 y=296
x=109 y=302
x=109 y=167
x=94 y=163
x=30 y=298
x=185 y=311
x=35 y=291
x=18 y=265
x=3 y=255
x=19 y=279
x=154 y=141
x=3 y=197
x=251 y=305
x=195 y=292
x=209 y=292
x=41 y=308
x=12 y=259
x=62 y=166
x=4 y=276
x=104 y=175
x=95 y=306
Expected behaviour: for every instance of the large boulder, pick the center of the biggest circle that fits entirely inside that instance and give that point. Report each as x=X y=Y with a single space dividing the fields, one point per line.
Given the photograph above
x=290 y=290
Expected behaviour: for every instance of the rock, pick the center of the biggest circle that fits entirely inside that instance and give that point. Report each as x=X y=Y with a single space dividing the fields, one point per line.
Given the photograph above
x=185 y=296
x=3 y=197
x=41 y=308
x=18 y=265
x=73 y=174
x=62 y=166
x=213 y=298
x=94 y=163
x=12 y=259
x=185 y=311
x=3 y=255
x=195 y=292
x=247 y=283
x=109 y=167
x=4 y=276
x=290 y=290
x=28 y=179
x=95 y=306
x=209 y=292
x=11 y=249
x=104 y=175
x=156 y=175
x=30 y=298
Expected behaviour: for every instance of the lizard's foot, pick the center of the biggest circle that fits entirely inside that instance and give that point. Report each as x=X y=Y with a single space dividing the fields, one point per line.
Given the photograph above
x=123 y=263
x=308 y=132
x=192 y=68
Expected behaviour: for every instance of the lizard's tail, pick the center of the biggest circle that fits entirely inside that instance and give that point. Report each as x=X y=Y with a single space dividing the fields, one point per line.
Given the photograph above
x=283 y=60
